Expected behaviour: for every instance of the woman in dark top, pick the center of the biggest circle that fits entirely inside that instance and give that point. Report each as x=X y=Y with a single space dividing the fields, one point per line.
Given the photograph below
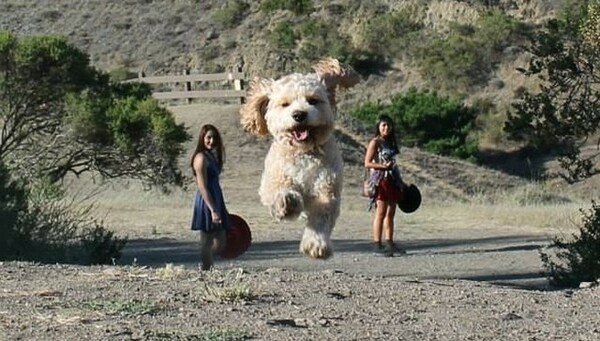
x=380 y=160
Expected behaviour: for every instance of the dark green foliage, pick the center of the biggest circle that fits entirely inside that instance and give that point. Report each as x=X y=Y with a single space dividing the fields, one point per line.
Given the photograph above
x=283 y=36
x=59 y=115
x=121 y=74
x=496 y=30
x=62 y=116
x=454 y=62
x=232 y=14
x=580 y=257
x=321 y=38
x=565 y=112
x=466 y=55
x=101 y=246
x=298 y=7
x=13 y=205
x=40 y=224
x=314 y=39
x=425 y=119
x=387 y=34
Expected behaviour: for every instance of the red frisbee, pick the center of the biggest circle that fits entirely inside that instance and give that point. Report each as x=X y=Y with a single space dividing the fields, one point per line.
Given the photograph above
x=239 y=237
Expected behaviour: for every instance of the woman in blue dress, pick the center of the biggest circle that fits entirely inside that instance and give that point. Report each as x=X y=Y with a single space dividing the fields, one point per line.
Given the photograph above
x=210 y=215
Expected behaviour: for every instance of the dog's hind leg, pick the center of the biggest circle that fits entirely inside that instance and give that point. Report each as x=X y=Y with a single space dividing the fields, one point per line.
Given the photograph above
x=287 y=205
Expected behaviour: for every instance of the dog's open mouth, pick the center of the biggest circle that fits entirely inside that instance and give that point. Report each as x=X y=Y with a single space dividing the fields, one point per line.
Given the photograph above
x=301 y=134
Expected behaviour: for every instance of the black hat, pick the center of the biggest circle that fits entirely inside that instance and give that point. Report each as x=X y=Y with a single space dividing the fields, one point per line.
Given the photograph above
x=411 y=199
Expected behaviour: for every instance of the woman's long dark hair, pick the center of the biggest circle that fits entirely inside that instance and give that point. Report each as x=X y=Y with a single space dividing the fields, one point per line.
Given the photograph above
x=390 y=140
x=200 y=147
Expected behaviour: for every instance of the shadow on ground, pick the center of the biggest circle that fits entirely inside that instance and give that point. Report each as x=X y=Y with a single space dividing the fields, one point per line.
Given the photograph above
x=457 y=257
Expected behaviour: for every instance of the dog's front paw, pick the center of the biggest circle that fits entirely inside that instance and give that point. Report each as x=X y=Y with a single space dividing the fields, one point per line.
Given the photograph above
x=287 y=206
x=315 y=245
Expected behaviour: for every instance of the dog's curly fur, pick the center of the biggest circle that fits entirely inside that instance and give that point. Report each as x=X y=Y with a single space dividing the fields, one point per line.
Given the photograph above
x=303 y=168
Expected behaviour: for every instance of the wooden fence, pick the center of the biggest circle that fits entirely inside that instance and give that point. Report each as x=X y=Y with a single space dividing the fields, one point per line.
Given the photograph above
x=183 y=87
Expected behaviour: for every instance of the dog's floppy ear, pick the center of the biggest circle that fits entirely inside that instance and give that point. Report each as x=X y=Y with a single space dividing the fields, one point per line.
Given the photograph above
x=335 y=74
x=253 y=111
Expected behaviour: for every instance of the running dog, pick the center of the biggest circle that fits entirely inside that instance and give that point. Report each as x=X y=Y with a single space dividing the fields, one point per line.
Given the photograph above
x=302 y=175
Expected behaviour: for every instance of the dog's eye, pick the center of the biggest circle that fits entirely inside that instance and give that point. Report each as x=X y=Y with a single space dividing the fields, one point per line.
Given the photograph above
x=285 y=104
x=313 y=101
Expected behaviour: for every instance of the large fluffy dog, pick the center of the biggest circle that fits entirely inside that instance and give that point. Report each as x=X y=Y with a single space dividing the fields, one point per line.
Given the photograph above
x=303 y=168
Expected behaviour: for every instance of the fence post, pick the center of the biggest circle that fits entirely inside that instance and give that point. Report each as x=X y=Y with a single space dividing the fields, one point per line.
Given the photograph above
x=187 y=86
x=238 y=84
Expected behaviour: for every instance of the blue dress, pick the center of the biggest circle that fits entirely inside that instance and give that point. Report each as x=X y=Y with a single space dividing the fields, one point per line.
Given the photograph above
x=202 y=218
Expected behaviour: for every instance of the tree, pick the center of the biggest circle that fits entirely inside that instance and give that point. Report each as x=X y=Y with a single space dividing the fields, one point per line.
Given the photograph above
x=59 y=115
x=577 y=259
x=565 y=113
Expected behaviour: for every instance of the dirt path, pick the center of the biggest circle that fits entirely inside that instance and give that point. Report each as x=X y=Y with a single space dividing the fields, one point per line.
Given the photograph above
x=475 y=251
x=471 y=272
x=501 y=257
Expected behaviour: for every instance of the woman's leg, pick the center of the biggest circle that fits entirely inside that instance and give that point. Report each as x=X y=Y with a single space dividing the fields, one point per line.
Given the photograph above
x=378 y=226
x=388 y=229
x=219 y=242
x=380 y=213
x=388 y=221
x=206 y=252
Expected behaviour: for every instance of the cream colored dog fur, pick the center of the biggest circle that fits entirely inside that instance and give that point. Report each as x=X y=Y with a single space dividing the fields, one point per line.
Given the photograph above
x=303 y=168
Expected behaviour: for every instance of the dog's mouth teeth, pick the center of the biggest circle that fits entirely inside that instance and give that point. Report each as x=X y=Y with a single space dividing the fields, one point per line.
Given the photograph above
x=300 y=134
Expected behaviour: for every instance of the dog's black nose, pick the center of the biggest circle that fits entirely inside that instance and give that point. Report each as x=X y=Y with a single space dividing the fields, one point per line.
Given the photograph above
x=299 y=116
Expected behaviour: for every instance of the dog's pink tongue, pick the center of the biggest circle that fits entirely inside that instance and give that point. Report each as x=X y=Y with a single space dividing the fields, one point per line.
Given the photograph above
x=300 y=134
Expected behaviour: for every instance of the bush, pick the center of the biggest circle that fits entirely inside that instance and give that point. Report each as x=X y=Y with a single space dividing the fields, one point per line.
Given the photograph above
x=283 y=36
x=454 y=62
x=100 y=246
x=13 y=204
x=56 y=110
x=40 y=224
x=231 y=15
x=321 y=38
x=580 y=257
x=297 y=7
x=465 y=56
x=440 y=125
x=386 y=34
x=120 y=74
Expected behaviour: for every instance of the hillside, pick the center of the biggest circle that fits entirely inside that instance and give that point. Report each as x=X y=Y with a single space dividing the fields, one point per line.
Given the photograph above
x=159 y=37
x=168 y=36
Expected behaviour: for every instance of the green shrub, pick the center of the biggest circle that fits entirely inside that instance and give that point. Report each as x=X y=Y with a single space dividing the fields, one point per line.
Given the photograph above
x=466 y=55
x=386 y=34
x=496 y=30
x=283 y=36
x=39 y=223
x=13 y=205
x=100 y=246
x=231 y=15
x=121 y=74
x=438 y=124
x=454 y=62
x=297 y=7
x=579 y=259
x=320 y=38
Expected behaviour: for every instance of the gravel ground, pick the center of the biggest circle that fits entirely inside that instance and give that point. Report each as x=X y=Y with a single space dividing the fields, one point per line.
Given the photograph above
x=58 y=302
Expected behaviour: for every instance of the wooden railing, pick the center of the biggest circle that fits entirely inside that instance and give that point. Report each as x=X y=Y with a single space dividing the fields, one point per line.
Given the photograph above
x=186 y=83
